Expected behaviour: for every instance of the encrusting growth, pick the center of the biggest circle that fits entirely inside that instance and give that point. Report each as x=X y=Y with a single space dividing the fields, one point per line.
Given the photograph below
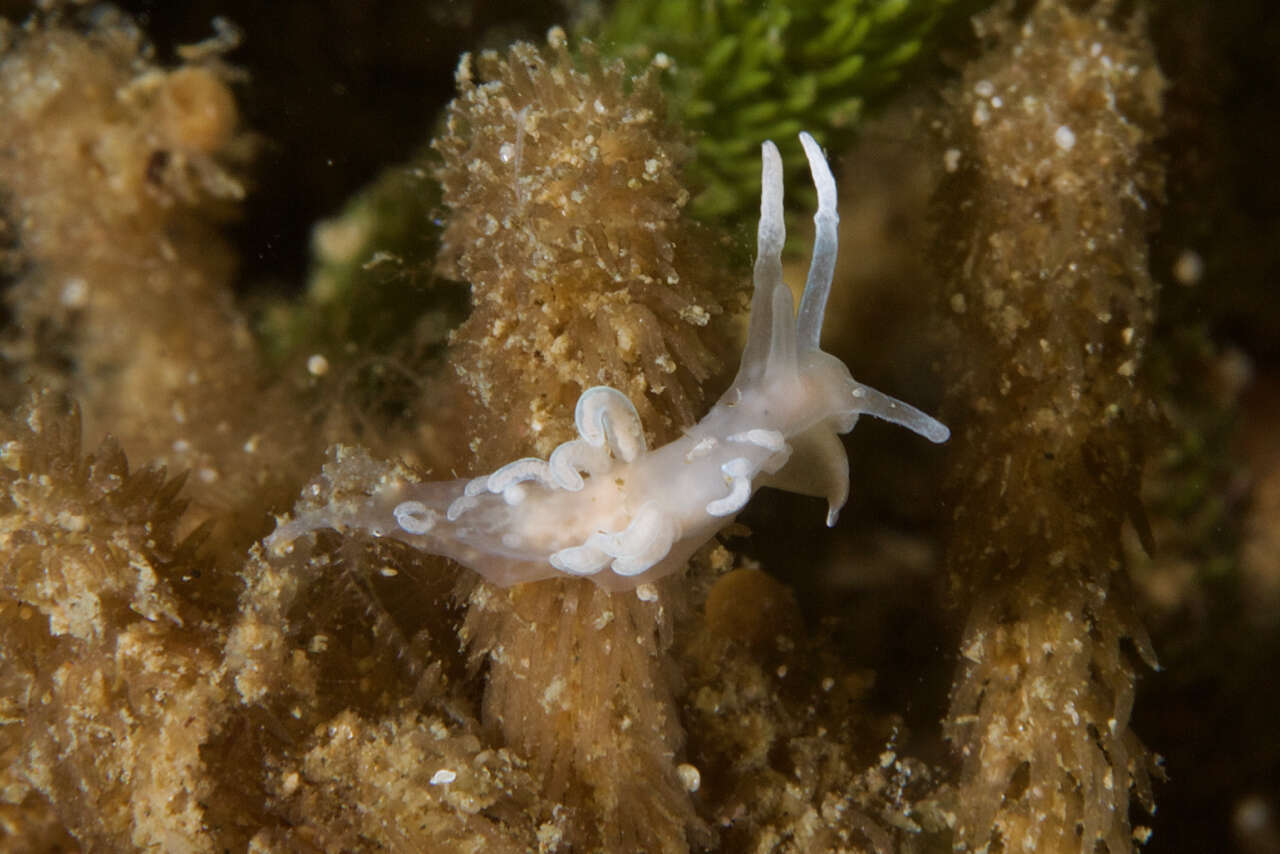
x=1047 y=208
x=113 y=170
x=566 y=218
x=104 y=668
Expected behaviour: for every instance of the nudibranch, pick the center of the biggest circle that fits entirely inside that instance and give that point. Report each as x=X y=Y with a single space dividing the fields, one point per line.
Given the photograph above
x=604 y=506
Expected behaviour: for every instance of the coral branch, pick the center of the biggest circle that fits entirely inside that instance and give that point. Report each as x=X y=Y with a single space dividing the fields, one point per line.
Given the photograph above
x=567 y=221
x=1053 y=307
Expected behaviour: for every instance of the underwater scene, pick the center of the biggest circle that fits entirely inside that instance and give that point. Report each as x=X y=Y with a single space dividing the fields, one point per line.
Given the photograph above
x=434 y=426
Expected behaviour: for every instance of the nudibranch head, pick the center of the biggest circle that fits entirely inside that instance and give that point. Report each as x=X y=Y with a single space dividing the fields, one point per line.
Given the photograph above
x=606 y=507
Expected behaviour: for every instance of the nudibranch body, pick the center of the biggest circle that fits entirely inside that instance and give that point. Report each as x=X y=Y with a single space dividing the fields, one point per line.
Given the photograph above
x=606 y=507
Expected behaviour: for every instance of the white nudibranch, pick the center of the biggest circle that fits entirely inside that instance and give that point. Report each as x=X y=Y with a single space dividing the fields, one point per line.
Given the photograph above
x=606 y=507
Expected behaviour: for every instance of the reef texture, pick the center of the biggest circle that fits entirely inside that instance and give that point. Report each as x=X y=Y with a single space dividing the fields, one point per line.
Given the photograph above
x=348 y=707
x=106 y=695
x=116 y=171
x=1048 y=204
x=566 y=200
x=168 y=684
x=793 y=756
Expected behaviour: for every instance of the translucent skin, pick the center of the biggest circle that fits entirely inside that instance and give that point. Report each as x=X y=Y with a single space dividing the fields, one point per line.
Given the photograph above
x=605 y=507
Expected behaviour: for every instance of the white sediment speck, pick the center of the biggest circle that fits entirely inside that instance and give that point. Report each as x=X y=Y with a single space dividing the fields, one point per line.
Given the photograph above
x=1065 y=138
x=75 y=293
x=689 y=776
x=317 y=365
x=1189 y=267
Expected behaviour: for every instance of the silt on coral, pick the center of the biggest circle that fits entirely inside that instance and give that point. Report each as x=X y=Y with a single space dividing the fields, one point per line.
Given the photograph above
x=1047 y=205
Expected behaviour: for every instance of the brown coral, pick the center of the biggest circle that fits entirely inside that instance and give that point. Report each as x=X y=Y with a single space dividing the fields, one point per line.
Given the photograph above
x=1053 y=307
x=791 y=755
x=105 y=670
x=114 y=169
x=566 y=218
x=567 y=221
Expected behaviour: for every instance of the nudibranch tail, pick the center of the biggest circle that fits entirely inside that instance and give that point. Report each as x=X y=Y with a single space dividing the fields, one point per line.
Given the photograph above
x=607 y=507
